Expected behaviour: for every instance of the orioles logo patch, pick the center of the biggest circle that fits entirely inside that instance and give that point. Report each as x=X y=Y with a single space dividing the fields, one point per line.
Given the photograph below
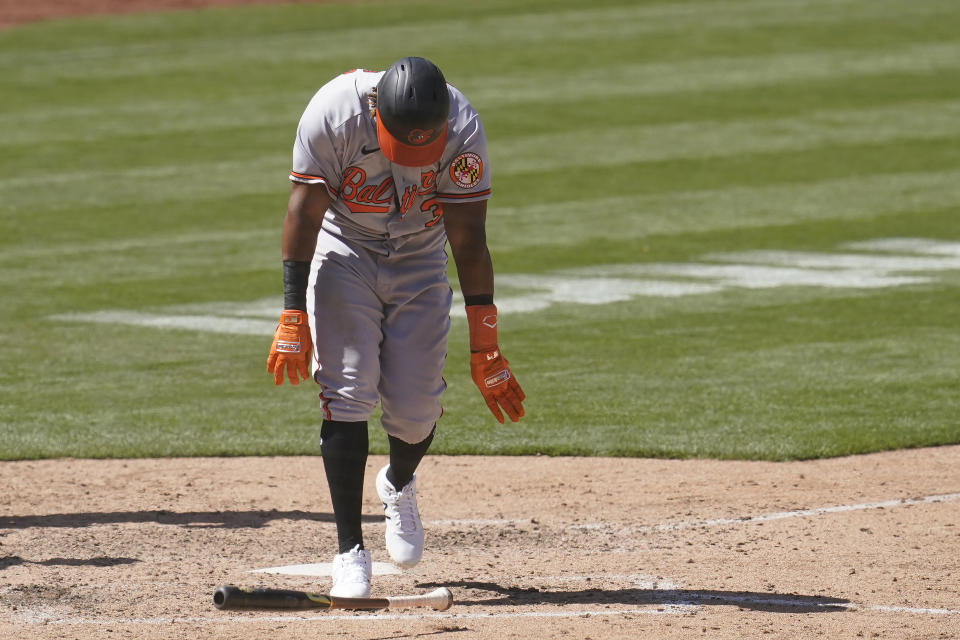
x=466 y=170
x=419 y=136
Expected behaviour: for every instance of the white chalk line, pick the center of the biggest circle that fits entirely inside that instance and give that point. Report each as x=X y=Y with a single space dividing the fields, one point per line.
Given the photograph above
x=324 y=569
x=673 y=526
x=226 y=618
x=680 y=606
x=806 y=513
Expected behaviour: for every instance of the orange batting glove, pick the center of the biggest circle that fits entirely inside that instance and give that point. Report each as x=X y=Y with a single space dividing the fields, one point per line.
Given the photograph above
x=291 y=348
x=488 y=368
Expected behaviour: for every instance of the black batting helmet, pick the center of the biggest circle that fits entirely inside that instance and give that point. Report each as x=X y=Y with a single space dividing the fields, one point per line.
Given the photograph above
x=412 y=109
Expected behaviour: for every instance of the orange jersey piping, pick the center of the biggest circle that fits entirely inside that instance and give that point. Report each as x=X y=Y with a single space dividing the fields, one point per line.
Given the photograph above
x=463 y=196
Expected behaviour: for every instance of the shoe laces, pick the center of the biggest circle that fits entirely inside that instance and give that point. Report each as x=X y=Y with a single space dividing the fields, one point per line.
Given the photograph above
x=351 y=566
x=404 y=509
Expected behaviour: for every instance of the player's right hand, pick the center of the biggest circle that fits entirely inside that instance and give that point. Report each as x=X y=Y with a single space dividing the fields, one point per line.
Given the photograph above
x=291 y=348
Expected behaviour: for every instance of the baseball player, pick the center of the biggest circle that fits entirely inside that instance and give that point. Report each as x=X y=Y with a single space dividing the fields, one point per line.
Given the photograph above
x=387 y=168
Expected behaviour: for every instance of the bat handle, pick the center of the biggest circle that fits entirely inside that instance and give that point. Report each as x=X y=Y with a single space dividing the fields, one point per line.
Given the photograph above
x=440 y=599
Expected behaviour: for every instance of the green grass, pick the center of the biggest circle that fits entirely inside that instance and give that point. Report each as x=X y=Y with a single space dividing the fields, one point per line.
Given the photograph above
x=143 y=163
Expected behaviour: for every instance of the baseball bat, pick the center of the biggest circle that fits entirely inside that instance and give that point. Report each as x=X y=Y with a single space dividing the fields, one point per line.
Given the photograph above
x=231 y=597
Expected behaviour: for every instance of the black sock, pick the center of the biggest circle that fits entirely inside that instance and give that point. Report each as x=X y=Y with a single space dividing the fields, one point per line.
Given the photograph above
x=344 y=446
x=404 y=459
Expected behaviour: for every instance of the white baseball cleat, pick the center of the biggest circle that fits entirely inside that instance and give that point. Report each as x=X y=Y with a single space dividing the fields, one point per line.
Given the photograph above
x=404 y=529
x=351 y=574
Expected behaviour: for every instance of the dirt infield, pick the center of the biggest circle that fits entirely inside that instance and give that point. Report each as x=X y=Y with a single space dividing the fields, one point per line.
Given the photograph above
x=553 y=547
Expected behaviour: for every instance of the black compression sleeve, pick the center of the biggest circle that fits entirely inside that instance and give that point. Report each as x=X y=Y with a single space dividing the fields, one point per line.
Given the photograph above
x=486 y=298
x=296 y=274
x=344 y=448
x=404 y=459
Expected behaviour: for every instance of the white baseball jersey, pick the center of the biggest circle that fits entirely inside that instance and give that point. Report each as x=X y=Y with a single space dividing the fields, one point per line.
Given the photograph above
x=373 y=199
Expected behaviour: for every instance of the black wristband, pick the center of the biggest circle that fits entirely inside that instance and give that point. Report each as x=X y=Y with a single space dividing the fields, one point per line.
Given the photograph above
x=296 y=275
x=484 y=298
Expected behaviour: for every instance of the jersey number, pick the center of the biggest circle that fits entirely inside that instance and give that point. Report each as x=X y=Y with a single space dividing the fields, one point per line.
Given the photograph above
x=435 y=208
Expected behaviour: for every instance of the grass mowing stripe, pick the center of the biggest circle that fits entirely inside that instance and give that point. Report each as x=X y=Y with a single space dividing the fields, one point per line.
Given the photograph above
x=112 y=124
x=170 y=204
x=516 y=89
x=720 y=105
x=125 y=124
x=174 y=107
x=569 y=222
x=144 y=184
x=639 y=216
x=600 y=146
x=570 y=26
x=137 y=244
x=522 y=85
x=708 y=74
x=747 y=170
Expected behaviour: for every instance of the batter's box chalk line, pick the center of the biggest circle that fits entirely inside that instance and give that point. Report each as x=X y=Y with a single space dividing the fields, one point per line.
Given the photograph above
x=324 y=569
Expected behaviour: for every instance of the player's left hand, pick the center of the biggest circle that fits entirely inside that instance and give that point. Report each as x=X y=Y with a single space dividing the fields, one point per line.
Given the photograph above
x=491 y=373
x=291 y=348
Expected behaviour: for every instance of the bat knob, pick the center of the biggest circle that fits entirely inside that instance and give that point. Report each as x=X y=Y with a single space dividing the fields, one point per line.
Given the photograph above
x=220 y=597
x=444 y=599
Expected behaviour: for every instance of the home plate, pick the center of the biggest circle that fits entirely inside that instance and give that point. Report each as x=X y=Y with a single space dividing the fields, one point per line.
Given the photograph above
x=323 y=569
